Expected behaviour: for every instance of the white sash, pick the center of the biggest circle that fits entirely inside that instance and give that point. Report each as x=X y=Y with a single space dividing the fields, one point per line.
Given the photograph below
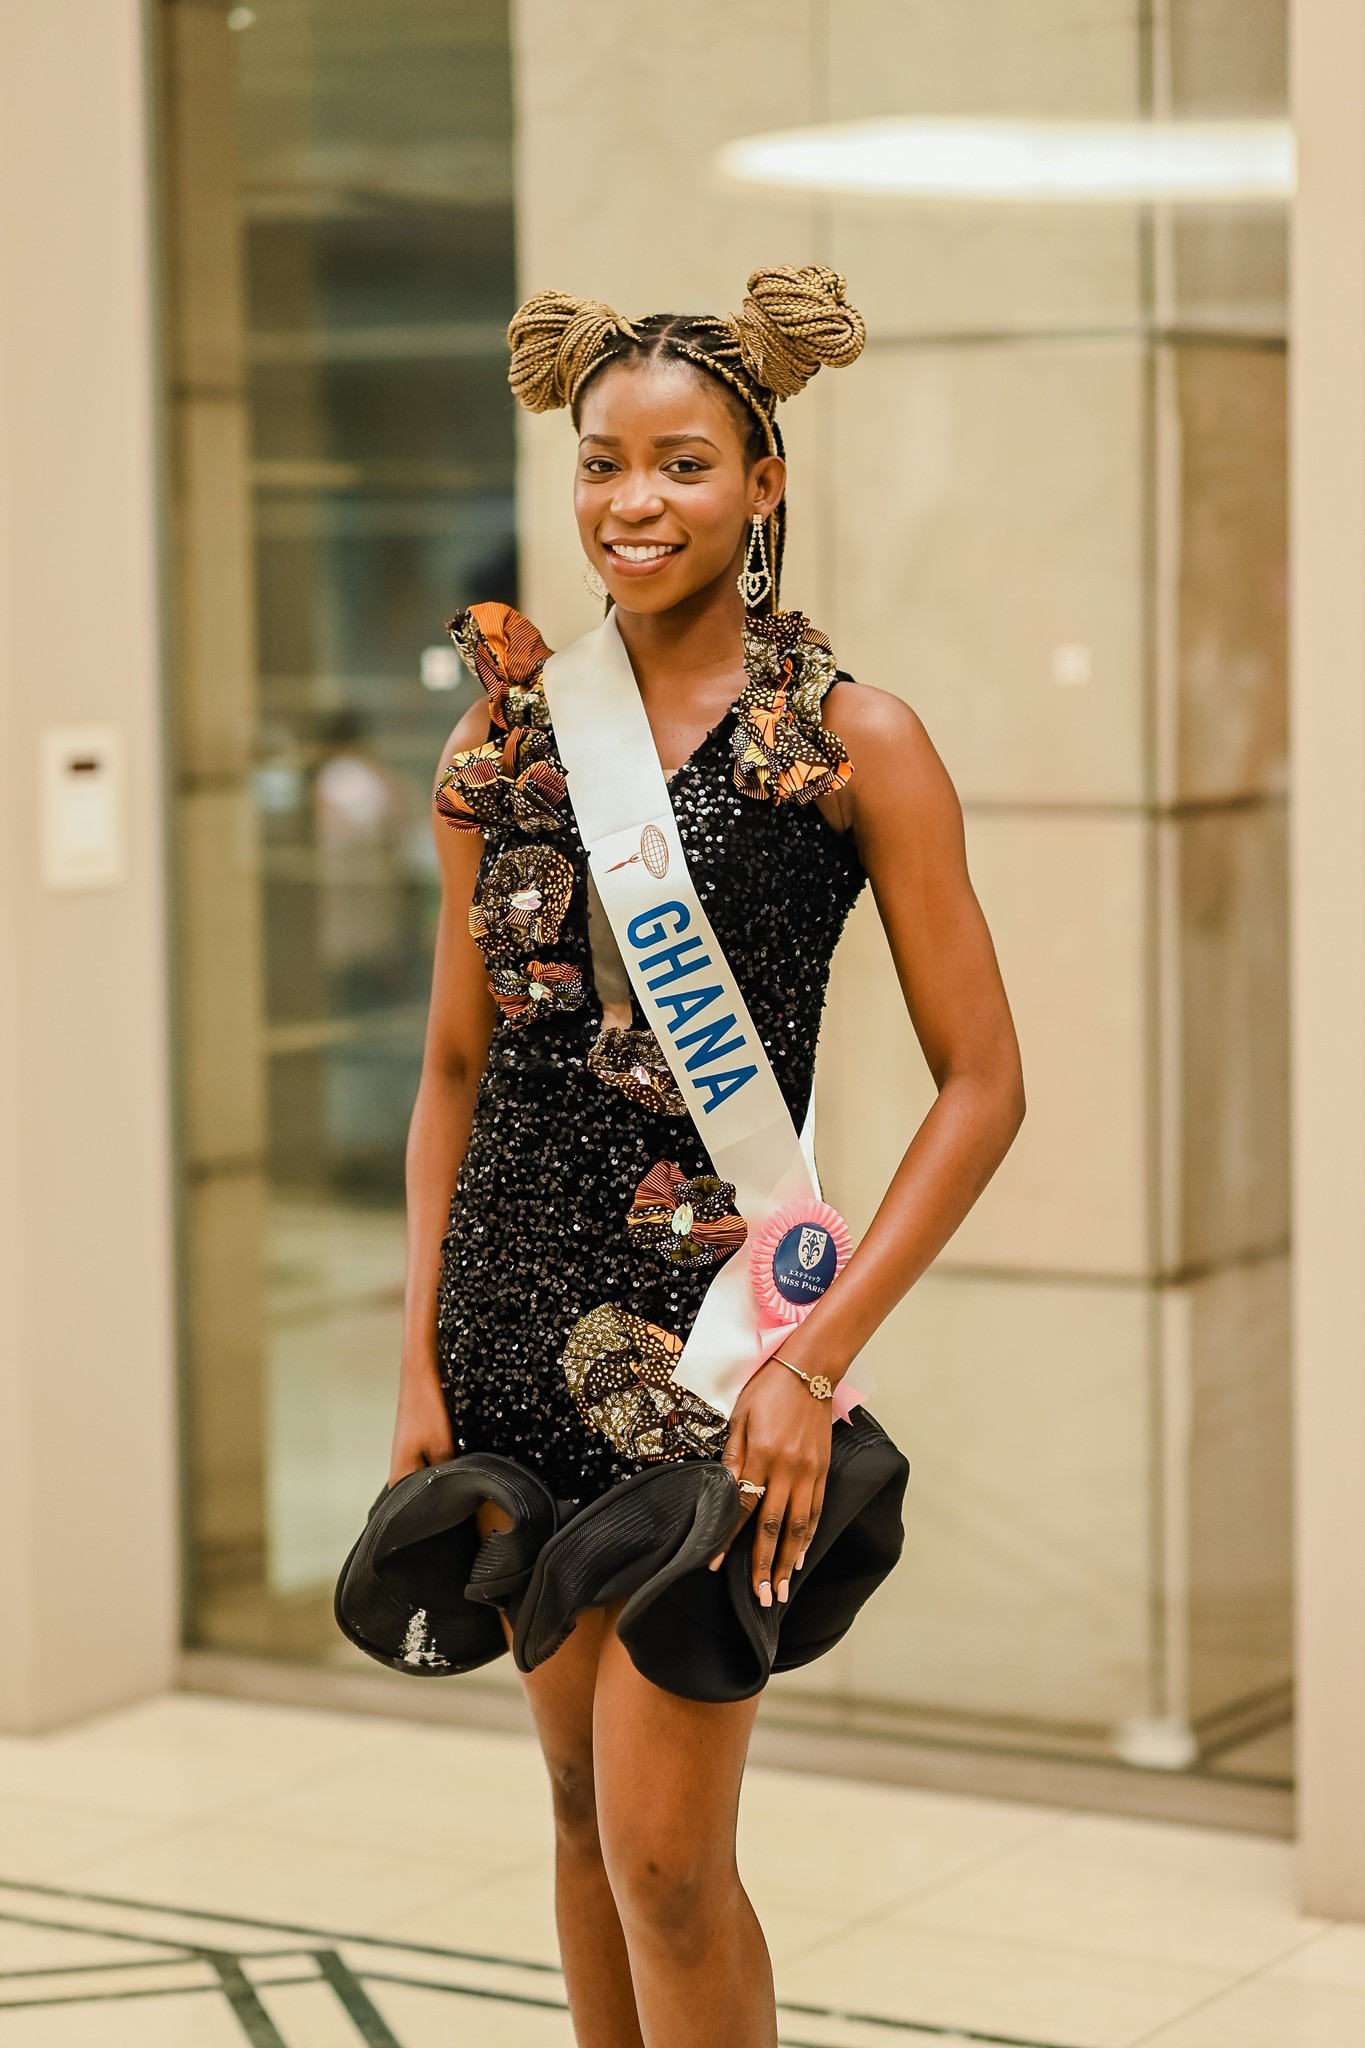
x=686 y=988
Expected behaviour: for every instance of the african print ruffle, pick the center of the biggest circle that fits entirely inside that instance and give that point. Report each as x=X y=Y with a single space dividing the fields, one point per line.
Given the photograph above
x=633 y=1061
x=782 y=752
x=540 y=986
x=620 y=1373
x=506 y=654
x=514 y=782
x=685 y=1222
x=521 y=905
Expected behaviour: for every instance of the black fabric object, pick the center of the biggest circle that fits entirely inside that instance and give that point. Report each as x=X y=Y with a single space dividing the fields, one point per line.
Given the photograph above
x=647 y=1542
x=420 y=1591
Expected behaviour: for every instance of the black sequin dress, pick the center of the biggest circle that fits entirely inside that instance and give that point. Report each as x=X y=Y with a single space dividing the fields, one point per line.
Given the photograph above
x=537 y=1236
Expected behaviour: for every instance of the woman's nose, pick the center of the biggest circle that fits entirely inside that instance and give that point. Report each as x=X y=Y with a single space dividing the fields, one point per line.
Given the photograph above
x=636 y=497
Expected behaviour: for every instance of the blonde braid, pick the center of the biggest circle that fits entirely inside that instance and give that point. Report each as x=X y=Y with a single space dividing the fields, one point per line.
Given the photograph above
x=792 y=322
x=555 y=341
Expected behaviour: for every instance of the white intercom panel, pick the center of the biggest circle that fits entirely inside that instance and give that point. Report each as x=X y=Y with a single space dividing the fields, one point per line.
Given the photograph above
x=82 y=807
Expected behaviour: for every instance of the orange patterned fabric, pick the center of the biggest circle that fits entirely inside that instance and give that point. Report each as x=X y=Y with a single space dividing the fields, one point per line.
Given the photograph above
x=633 y=1061
x=783 y=754
x=506 y=654
x=684 y=1222
x=543 y=985
x=514 y=781
x=620 y=1372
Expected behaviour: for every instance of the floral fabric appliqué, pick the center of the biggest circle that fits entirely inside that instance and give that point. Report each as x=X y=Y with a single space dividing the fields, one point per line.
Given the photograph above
x=633 y=1061
x=619 y=1370
x=506 y=654
x=683 y=1222
x=782 y=752
x=512 y=783
x=539 y=988
x=522 y=902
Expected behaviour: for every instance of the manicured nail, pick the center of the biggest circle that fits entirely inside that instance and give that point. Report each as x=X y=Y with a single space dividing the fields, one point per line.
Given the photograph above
x=716 y=1563
x=765 y=1594
x=782 y=1591
x=800 y=1560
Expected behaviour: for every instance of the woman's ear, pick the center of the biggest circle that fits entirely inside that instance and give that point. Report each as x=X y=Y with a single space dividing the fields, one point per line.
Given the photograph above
x=769 y=484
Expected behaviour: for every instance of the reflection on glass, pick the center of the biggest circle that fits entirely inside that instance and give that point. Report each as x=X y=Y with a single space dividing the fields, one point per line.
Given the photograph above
x=360 y=186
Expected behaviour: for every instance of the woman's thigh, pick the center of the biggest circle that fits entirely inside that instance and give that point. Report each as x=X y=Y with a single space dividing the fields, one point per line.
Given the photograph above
x=668 y=1774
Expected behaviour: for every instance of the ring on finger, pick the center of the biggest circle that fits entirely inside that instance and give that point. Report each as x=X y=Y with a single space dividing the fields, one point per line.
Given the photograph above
x=754 y=1492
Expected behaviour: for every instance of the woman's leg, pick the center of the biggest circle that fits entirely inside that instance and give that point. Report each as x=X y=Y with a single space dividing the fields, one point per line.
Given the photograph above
x=591 y=1945
x=668 y=1775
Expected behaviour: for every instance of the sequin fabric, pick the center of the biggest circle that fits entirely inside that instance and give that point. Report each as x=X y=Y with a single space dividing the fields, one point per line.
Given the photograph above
x=538 y=1236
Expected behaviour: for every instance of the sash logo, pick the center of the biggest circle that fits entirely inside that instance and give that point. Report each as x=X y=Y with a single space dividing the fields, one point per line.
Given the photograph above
x=669 y=966
x=653 y=852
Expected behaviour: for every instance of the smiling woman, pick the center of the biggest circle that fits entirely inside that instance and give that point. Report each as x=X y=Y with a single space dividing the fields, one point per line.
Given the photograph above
x=635 y=1459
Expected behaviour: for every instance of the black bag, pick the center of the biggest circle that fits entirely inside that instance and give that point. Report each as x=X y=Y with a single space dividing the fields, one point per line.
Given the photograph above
x=421 y=1593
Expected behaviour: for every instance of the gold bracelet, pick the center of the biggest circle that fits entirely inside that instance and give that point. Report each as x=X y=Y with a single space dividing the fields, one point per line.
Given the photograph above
x=820 y=1386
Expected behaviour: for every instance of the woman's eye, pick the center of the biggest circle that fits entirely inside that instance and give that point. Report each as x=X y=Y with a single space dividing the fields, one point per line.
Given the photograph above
x=598 y=465
x=687 y=465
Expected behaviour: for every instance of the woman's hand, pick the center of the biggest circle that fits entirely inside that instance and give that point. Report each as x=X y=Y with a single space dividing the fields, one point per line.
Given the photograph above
x=779 y=1439
x=421 y=1435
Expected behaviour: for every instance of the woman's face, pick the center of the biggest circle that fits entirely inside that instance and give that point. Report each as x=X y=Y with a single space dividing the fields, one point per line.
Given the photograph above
x=665 y=490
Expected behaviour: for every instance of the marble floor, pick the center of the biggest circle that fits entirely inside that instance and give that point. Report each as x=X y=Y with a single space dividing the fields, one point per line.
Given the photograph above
x=196 y=1873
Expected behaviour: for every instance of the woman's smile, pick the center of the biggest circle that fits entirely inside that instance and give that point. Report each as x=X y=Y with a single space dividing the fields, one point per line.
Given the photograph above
x=640 y=557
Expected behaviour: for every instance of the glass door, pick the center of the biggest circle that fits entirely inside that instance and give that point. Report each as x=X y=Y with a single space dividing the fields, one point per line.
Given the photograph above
x=340 y=272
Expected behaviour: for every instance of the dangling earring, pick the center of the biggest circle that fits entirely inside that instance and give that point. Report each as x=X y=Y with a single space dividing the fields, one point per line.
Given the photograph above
x=593 y=584
x=755 y=580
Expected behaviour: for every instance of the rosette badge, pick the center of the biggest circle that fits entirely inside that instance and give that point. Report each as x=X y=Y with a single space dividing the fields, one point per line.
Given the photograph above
x=794 y=1257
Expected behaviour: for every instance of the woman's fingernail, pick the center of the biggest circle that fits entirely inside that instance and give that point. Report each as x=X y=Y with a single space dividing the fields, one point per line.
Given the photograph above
x=716 y=1563
x=765 y=1594
x=800 y=1560
x=782 y=1591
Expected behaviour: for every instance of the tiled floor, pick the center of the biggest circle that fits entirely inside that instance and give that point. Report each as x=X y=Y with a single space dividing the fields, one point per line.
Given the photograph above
x=199 y=1874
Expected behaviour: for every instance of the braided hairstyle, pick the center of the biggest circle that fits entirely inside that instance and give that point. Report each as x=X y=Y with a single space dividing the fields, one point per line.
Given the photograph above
x=792 y=321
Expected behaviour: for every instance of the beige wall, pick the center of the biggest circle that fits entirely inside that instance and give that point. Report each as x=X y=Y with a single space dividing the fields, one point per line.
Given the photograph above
x=1092 y=1384
x=1328 y=497
x=87 y=1515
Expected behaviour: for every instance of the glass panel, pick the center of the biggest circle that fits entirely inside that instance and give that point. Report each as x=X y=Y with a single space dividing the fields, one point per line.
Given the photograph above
x=347 y=425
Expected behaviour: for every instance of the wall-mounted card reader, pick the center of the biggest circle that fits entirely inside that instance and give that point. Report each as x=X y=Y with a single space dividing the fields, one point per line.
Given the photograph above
x=82 y=807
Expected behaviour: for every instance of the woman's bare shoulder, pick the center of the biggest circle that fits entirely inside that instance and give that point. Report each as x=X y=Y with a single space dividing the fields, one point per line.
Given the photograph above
x=887 y=743
x=862 y=714
x=471 y=731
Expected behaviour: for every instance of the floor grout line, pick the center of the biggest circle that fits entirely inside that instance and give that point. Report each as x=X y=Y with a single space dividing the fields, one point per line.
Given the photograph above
x=1257 y=1975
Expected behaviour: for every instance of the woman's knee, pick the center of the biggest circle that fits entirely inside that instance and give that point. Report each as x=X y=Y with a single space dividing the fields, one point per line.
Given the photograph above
x=573 y=1797
x=670 y=1892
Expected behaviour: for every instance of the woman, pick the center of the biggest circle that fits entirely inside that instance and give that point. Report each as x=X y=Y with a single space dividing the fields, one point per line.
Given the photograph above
x=546 y=1100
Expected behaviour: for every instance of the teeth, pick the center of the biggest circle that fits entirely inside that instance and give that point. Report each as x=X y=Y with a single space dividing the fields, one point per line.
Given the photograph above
x=639 y=554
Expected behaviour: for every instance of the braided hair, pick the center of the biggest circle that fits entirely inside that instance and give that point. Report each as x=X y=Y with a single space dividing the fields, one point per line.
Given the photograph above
x=792 y=321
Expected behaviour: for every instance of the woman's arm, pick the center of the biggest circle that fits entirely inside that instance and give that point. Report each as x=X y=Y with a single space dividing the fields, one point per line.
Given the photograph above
x=459 y=1029
x=904 y=811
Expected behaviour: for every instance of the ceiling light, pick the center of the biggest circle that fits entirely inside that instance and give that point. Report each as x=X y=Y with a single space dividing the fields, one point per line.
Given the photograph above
x=1030 y=161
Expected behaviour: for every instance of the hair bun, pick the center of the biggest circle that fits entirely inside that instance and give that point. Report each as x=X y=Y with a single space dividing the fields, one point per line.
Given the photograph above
x=555 y=339
x=792 y=322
